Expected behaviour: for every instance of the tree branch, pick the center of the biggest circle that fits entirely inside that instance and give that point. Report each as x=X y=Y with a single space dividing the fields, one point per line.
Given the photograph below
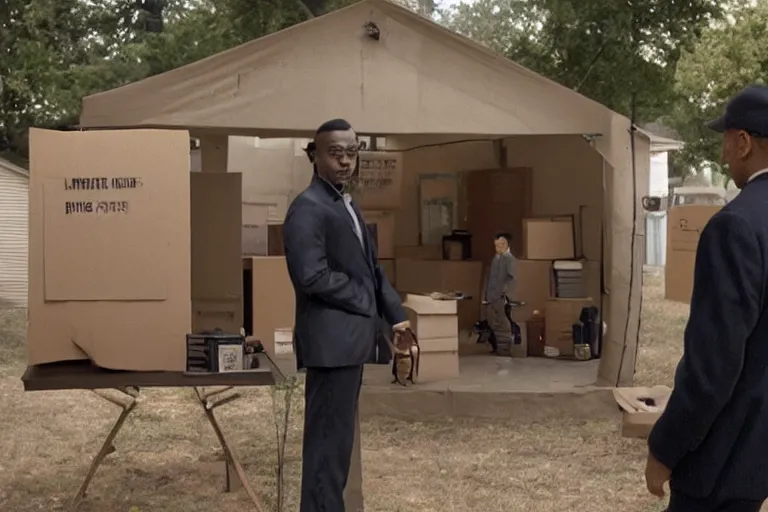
x=591 y=66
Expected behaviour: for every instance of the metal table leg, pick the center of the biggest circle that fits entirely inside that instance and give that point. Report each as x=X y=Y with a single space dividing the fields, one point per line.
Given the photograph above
x=210 y=401
x=108 y=447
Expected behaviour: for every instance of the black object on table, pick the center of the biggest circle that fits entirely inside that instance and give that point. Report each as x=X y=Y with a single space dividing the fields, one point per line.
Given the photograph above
x=84 y=375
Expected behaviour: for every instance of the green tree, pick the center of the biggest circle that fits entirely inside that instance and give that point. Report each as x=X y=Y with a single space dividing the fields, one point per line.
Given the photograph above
x=40 y=42
x=55 y=52
x=609 y=50
x=729 y=56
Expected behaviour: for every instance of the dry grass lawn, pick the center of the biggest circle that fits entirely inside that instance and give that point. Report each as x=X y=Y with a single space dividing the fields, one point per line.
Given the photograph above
x=168 y=460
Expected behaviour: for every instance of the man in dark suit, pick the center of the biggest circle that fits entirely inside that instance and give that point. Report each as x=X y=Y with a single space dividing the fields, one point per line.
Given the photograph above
x=340 y=294
x=711 y=442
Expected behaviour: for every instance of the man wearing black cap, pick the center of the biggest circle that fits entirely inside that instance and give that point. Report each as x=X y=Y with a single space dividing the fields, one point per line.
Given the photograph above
x=711 y=442
x=340 y=293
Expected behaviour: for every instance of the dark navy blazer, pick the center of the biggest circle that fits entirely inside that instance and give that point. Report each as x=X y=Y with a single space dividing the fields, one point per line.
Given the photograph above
x=341 y=291
x=714 y=431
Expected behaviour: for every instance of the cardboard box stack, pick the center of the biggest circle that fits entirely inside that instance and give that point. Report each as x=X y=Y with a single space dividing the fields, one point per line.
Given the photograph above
x=547 y=240
x=435 y=323
x=427 y=276
x=683 y=231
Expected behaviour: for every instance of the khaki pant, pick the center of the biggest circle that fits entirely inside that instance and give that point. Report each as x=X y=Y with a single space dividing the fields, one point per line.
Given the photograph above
x=499 y=323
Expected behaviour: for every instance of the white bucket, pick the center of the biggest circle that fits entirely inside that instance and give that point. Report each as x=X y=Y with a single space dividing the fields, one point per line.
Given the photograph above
x=283 y=340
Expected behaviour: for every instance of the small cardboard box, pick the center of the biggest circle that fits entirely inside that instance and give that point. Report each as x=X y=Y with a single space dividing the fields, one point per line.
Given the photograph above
x=559 y=317
x=641 y=408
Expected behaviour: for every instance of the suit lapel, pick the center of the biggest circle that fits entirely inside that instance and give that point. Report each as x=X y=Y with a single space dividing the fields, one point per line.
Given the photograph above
x=366 y=236
x=336 y=201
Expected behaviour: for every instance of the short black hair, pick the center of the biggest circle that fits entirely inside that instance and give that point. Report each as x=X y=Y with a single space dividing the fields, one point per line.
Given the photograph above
x=506 y=236
x=334 y=125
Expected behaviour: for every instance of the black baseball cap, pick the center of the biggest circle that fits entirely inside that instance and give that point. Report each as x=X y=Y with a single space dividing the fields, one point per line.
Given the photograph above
x=747 y=111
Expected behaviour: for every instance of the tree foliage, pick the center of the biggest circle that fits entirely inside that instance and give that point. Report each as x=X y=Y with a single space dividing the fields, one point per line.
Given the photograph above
x=55 y=52
x=729 y=56
x=608 y=50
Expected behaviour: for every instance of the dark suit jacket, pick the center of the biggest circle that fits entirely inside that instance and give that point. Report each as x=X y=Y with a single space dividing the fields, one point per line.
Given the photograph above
x=340 y=289
x=714 y=432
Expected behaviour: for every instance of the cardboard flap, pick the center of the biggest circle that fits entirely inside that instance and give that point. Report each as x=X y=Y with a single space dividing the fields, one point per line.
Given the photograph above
x=101 y=238
x=425 y=305
x=633 y=400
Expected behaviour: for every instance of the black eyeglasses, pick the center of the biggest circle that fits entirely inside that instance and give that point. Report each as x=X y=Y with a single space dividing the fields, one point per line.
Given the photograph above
x=338 y=151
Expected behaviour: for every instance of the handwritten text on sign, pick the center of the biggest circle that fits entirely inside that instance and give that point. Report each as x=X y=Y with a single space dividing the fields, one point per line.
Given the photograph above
x=98 y=207
x=377 y=172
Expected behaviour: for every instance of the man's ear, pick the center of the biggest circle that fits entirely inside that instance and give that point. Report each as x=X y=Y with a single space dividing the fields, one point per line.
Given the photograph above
x=310 y=150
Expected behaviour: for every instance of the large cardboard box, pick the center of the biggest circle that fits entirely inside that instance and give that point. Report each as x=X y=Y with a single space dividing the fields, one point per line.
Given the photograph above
x=532 y=287
x=549 y=238
x=683 y=231
x=559 y=317
x=128 y=251
x=271 y=299
x=380 y=180
x=419 y=252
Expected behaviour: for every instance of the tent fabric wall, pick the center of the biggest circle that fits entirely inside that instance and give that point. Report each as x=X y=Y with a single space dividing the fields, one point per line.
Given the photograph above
x=625 y=230
x=418 y=80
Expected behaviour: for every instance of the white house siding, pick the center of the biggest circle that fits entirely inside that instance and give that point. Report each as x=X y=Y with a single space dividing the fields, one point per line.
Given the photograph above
x=14 y=241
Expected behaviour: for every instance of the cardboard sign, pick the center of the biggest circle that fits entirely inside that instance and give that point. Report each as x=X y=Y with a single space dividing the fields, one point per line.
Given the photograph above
x=109 y=248
x=686 y=224
x=94 y=227
x=380 y=181
x=684 y=228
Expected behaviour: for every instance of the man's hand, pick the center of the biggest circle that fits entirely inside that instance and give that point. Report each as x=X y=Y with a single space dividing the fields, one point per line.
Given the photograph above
x=484 y=303
x=656 y=475
x=402 y=326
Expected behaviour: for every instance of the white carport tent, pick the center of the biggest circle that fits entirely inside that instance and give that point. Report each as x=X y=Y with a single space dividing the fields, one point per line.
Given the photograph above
x=418 y=79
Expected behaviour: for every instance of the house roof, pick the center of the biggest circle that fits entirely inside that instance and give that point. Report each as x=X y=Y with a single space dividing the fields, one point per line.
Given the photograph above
x=5 y=164
x=417 y=78
x=660 y=144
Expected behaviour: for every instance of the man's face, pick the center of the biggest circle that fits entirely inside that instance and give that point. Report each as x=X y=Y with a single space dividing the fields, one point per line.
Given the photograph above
x=336 y=155
x=501 y=245
x=736 y=152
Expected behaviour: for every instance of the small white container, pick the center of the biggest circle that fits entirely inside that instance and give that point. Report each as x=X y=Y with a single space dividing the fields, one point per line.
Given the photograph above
x=283 y=341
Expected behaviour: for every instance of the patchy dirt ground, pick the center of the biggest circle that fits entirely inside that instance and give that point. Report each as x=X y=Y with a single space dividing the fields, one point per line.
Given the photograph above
x=168 y=460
